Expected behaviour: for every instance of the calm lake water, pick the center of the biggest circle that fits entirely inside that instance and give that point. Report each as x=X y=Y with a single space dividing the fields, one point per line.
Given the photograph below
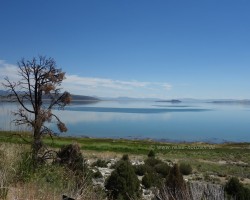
x=154 y=120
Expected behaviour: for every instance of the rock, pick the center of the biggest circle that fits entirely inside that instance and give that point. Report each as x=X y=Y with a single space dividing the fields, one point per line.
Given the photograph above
x=206 y=191
x=98 y=182
x=112 y=161
x=137 y=162
x=105 y=171
x=109 y=165
x=88 y=162
x=147 y=194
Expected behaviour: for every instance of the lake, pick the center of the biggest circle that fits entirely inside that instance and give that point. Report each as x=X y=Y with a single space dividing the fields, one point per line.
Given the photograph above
x=188 y=121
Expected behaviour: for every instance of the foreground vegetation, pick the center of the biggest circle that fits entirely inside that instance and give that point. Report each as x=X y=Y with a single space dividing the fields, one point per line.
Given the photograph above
x=216 y=163
x=222 y=159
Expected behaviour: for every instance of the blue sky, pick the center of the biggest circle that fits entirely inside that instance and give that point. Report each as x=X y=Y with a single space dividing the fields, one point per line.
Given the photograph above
x=136 y=48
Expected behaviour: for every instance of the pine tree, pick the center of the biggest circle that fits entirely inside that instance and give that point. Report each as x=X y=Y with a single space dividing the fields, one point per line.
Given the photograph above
x=123 y=182
x=174 y=187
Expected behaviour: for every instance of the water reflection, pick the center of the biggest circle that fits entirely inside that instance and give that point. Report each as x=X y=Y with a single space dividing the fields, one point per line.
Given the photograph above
x=135 y=110
x=7 y=117
x=186 y=122
x=74 y=117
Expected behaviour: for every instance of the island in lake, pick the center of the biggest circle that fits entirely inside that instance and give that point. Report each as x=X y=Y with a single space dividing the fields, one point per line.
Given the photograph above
x=170 y=101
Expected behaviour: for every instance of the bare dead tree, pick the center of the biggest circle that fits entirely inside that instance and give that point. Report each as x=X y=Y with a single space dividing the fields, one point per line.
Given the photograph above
x=38 y=91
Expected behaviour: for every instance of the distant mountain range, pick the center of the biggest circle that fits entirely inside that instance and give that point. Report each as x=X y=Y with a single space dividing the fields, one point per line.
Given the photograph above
x=246 y=101
x=83 y=98
x=75 y=98
x=128 y=99
x=2 y=92
x=169 y=101
x=181 y=100
x=93 y=99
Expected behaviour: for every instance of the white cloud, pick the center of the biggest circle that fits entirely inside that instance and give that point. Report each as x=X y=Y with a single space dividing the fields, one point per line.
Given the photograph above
x=114 y=88
x=8 y=70
x=101 y=82
x=102 y=87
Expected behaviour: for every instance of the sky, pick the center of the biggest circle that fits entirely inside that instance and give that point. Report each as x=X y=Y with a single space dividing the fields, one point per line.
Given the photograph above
x=134 y=48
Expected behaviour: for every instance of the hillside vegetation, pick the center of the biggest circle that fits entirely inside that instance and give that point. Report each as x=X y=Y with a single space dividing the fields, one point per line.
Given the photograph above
x=152 y=161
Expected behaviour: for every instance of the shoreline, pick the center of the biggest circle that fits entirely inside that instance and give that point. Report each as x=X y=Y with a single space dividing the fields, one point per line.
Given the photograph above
x=131 y=139
x=125 y=145
x=160 y=140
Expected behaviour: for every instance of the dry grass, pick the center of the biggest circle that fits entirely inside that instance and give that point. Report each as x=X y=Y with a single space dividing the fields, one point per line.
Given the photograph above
x=37 y=187
x=32 y=191
x=9 y=156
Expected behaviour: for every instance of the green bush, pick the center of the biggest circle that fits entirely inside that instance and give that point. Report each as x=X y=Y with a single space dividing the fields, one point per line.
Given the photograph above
x=125 y=157
x=157 y=169
x=185 y=168
x=175 y=185
x=151 y=161
x=153 y=172
x=71 y=157
x=151 y=153
x=97 y=174
x=140 y=170
x=233 y=186
x=246 y=193
x=236 y=190
x=123 y=182
x=148 y=180
x=162 y=169
x=175 y=178
x=99 y=163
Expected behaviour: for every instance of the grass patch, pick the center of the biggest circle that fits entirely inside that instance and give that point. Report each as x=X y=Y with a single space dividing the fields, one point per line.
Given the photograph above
x=214 y=152
x=202 y=157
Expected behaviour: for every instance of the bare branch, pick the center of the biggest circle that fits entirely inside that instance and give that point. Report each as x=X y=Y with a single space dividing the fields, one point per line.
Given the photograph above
x=39 y=80
x=12 y=87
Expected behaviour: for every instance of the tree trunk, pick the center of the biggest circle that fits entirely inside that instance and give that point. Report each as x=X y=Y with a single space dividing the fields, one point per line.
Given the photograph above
x=36 y=146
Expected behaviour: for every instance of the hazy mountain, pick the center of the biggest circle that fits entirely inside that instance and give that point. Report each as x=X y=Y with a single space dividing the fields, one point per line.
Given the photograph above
x=75 y=98
x=169 y=101
x=2 y=92
x=83 y=98
x=245 y=101
x=128 y=99
x=191 y=100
